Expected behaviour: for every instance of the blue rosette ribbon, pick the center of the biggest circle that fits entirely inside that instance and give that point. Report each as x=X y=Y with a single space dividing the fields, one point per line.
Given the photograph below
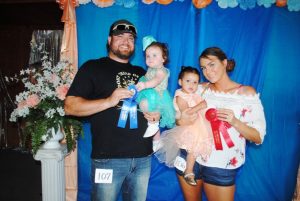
x=129 y=107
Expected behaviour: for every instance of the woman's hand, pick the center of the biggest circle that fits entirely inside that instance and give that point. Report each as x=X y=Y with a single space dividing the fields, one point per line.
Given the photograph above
x=246 y=131
x=227 y=115
x=152 y=116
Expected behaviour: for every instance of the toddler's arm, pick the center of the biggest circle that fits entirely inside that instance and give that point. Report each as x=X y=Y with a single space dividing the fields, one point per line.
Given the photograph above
x=199 y=106
x=182 y=104
x=186 y=116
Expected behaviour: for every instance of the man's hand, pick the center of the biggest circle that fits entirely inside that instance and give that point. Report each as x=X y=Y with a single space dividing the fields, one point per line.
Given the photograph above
x=118 y=95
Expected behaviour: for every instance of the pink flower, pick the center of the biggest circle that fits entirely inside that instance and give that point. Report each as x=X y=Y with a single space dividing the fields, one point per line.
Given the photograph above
x=54 y=78
x=244 y=112
x=233 y=161
x=22 y=104
x=72 y=75
x=61 y=91
x=32 y=100
x=67 y=74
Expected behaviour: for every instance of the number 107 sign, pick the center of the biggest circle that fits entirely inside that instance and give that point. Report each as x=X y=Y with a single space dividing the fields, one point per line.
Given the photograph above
x=103 y=176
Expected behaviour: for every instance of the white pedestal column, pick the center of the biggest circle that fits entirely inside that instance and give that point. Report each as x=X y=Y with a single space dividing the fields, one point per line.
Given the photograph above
x=53 y=175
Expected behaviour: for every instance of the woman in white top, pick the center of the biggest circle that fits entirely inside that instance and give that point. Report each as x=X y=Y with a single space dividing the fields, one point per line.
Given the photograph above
x=234 y=114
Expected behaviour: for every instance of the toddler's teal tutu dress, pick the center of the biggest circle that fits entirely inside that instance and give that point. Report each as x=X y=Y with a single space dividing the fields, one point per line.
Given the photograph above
x=158 y=98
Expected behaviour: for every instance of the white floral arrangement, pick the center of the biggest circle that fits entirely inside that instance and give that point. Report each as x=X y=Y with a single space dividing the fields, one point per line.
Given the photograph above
x=41 y=104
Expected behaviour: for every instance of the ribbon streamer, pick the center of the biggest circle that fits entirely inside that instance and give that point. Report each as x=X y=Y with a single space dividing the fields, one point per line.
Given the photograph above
x=218 y=126
x=129 y=107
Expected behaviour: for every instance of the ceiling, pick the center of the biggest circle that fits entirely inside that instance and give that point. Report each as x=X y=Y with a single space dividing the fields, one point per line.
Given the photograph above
x=30 y=12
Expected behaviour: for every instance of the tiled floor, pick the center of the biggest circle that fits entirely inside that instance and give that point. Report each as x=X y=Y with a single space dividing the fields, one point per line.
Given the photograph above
x=20 y=176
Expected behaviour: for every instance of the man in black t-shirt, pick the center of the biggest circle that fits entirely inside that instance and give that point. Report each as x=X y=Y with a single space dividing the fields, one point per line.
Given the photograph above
x=121 y=157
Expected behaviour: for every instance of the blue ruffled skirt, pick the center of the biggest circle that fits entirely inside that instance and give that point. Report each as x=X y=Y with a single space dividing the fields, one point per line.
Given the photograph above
x=161 y=102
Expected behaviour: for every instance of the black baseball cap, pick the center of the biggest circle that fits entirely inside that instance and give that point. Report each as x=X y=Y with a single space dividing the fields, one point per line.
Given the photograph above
x=122 y=26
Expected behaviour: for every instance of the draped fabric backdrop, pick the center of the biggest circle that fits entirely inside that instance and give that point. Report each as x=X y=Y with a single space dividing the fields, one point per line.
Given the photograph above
x=265 y=43
x=69 y=51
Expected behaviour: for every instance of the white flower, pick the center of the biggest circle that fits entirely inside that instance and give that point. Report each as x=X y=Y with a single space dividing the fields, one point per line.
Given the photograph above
x=27 y=71
x=60 y=111
x=50 y=113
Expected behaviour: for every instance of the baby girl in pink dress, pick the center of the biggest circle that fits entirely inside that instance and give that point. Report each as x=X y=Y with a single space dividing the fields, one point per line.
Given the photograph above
x=195 y=138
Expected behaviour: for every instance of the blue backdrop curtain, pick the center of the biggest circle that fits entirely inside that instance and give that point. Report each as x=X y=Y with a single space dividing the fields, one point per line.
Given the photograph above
x=265 y=43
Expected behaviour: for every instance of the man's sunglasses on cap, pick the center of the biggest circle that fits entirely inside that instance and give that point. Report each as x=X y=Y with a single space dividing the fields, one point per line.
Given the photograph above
x=124 y=27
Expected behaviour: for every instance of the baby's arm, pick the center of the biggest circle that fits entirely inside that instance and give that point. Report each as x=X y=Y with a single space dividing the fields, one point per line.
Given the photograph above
x=199 y=106
x=159 y=77
x=191 y=110
x=187 y=116
x=181 y=103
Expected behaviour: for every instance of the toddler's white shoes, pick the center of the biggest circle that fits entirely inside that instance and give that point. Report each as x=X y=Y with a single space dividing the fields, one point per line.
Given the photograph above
x=152 y=129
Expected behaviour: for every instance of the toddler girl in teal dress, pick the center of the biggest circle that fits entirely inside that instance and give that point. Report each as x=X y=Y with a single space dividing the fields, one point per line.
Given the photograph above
x=153 y=94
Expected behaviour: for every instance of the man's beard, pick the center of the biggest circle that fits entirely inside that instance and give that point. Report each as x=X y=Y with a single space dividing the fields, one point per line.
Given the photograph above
x=121 y=55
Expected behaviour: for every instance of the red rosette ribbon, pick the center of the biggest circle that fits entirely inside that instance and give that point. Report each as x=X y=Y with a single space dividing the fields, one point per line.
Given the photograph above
x=218 y=126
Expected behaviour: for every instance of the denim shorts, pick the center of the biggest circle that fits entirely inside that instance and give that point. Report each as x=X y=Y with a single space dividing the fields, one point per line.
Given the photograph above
x=211 y=175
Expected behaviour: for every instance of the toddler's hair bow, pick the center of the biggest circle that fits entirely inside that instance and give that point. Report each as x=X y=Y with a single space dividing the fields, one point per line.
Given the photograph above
x=147 y=40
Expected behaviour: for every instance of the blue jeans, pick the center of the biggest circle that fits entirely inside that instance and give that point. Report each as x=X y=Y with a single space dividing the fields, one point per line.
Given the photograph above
x=128 y=175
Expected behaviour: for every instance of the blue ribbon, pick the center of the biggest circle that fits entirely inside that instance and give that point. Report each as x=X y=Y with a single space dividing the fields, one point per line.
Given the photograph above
x=129 y=107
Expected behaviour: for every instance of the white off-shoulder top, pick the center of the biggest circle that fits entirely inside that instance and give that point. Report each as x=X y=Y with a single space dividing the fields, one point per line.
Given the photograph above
x=247 y=108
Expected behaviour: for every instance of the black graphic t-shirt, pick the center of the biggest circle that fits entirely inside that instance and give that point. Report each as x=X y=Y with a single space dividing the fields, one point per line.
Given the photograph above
x=98 y=79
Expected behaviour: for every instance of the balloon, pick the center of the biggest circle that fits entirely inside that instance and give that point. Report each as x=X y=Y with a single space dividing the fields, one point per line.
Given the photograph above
x=201 y=3
x=148 y=1
x=103 y=3
x=281 y=3
x=165 y=2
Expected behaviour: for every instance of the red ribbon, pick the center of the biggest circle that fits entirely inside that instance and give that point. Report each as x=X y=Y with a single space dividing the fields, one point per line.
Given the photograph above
x=218 y=126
